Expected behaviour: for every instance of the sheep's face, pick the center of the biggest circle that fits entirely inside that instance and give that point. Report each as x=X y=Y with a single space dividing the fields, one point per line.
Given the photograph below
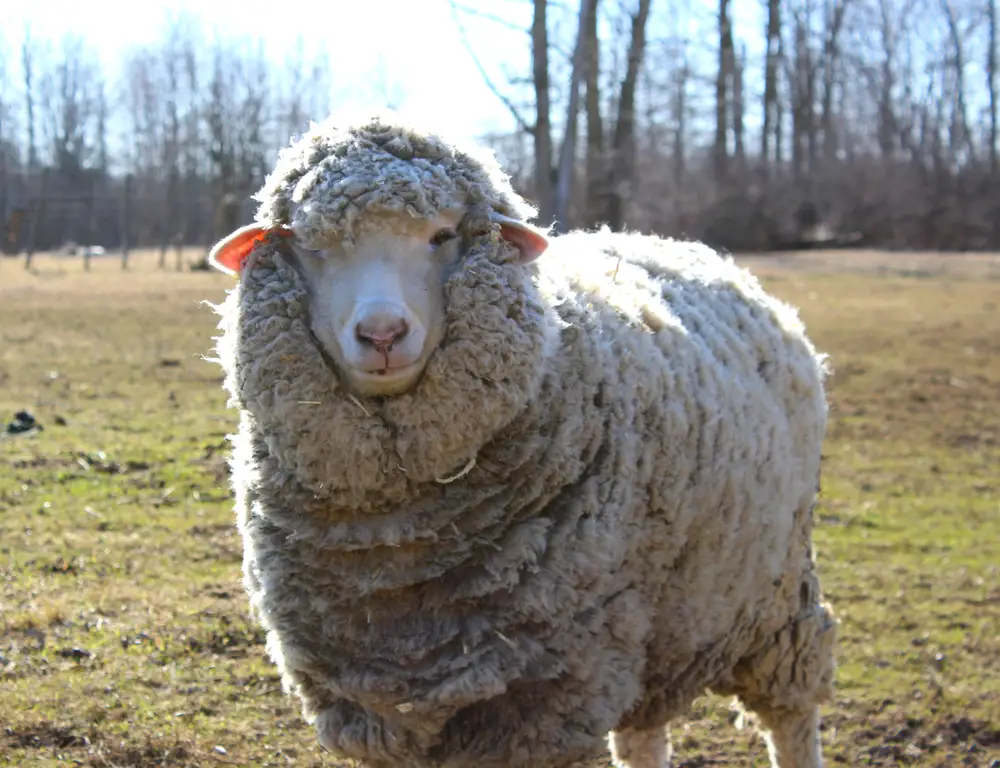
x=377 y=302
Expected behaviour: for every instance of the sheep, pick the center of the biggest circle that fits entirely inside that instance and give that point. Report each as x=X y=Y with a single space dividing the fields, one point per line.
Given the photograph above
x=506 y=510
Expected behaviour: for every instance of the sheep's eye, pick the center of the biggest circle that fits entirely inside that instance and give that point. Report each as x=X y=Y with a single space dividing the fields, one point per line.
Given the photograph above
x=442 y=236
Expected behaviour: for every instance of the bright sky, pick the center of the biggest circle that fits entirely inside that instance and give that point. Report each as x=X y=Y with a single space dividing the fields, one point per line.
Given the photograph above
x=415 y=43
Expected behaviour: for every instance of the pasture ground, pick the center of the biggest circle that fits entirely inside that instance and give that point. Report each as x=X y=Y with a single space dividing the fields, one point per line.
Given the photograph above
x=124 y=639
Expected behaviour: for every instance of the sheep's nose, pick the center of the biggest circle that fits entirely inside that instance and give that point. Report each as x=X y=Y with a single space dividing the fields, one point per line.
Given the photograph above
x=381 y=332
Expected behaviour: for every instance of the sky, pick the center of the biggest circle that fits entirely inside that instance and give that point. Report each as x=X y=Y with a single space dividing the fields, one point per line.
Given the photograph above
x=413 y=45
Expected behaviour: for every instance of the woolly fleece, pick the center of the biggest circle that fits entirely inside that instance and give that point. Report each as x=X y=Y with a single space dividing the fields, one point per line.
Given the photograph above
x=645 y=424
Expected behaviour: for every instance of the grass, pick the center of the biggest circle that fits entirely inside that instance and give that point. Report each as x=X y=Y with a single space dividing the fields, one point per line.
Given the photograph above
x=125 y=639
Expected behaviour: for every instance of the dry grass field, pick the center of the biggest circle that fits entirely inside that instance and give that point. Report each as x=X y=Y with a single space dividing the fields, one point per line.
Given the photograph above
x=124 y=639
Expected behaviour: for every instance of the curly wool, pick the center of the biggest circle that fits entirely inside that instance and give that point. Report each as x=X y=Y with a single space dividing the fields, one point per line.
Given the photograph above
x=646 y=426
x=323 y=182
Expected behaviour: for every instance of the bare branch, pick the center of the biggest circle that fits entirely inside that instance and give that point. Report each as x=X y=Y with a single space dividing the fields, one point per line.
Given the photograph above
x=482 y=71
x=489 y=17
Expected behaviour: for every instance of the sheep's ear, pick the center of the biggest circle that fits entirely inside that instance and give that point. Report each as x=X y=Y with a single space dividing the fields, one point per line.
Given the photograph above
x=530 y=242
x=230 y=253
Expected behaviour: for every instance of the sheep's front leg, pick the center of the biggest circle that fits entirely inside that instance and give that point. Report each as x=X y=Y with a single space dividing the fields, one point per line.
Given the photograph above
x=641 y=749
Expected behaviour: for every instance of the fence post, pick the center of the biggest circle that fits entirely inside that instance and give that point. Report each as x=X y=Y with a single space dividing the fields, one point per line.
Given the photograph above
x=91 y=226
x=36 y=214
x=123 y=220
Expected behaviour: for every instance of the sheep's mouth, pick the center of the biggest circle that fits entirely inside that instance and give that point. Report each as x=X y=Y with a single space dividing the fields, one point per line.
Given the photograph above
x=388 y=373
x=391 y=365
x=386 y=381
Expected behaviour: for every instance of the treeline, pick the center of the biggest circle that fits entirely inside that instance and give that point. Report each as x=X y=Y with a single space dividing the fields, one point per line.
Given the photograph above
x=829 y=122
x=196 y=127
x=815 y=122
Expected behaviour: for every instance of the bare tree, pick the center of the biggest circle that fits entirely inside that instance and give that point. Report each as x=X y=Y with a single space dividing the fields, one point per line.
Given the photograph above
x=991 y=79
x=567 y=155
x=456 y=11
x=722 y=91
x=220 y=117
x=961 y=140
x=75 y=106
x=253 y=109
x=887 y=121
x=28 y=58
x=142 y=91
x=319 y=83
x=8 y=160
x=680 y=112
x=385 y=88
x=771 y=128
x=593 y=208
x=739 y=151
x=101 y=137
x=293 y=106
x=802 y=77
x=37 y=211
x=834 y=22
x=893 y=131
x=542 y=131
x=125 y=219
x=171 y=148
x=192 y=145
x=623 y=147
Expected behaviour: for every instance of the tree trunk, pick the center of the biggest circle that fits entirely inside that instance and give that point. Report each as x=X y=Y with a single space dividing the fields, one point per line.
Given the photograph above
x=37 y=210
x=567 y=154
x=595 y=212
x=92 y=235
x=720 y=151
x=803 y=96
x=738 y=146
x=162 y=263
x=623 y=151
x=542 y=130
x=887 y=115
x=771 y=121
x=123 y=223
x=680 y=116
x=961 y=138
x=991 y=74
x=27 y=61
x=779 y=117
x=831 y=59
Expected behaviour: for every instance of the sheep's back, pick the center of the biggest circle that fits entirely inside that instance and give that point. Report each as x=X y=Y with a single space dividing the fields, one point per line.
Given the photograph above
x=719 y=383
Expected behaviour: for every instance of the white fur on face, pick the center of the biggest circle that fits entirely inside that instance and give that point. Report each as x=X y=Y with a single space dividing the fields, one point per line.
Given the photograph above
x=377 y=305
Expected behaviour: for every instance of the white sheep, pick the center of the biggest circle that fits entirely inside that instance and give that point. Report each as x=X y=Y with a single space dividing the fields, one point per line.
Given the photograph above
x=496 y=507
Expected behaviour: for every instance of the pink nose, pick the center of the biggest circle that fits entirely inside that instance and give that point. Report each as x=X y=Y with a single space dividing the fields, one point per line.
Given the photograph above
x=381 y=332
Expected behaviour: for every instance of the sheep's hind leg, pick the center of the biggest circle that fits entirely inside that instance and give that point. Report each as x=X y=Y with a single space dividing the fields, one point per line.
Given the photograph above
x=641 y=749
x=786 y=681
x=792 y=736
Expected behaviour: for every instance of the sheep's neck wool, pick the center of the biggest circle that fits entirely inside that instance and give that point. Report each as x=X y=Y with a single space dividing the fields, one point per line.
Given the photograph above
x=363 y=514
x=363 y=455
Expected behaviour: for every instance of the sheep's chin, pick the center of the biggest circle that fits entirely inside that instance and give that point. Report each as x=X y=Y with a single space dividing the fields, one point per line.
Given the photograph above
x=394 y=382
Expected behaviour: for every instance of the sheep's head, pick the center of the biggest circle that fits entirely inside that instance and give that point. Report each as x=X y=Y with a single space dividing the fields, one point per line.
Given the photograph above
x=377 y=297
x=374 y=215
